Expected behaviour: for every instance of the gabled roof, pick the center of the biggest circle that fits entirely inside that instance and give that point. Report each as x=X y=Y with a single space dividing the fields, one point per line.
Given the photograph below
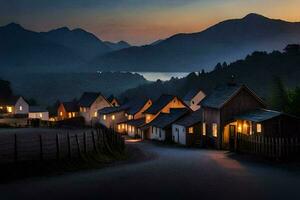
x=111 y=98
x=166 y=119
x=88 y=98
x=134 y=107
x=109 y=110
x=221 y=95
x=160 y=103
x=10 y=101
x=34 y=109
x=259 y=115
x=190 y=119
x=191 y=94
x=71 y=106
x=136 y=122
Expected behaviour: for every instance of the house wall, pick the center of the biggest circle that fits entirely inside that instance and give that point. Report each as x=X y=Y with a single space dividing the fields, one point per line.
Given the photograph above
x=196 y=100
x=91 y=112
x=157 y=134
x=109 y=122
x=63 y=114
x=210 y=116
x=21 y=107
x=179 y=134
x=39 y=115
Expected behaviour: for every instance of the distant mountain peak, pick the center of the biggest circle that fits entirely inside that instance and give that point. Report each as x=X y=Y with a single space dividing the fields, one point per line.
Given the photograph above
x=14 y=26
x=62 y=29
x=254 y=16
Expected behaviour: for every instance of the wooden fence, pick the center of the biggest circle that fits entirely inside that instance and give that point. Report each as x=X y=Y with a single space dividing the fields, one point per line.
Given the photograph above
x=60 y=145
x=278 y=148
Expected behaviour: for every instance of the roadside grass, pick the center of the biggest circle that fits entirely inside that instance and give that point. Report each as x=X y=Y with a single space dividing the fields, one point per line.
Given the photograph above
x=21 y=170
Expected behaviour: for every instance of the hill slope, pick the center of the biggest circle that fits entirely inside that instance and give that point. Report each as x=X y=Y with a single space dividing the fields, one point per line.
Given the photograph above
x=226 y=41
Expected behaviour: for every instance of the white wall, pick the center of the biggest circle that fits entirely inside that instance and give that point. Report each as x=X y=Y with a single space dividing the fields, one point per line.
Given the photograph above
x=157 y=134
x=21 y=106
x=39 y=115
x=179 y=134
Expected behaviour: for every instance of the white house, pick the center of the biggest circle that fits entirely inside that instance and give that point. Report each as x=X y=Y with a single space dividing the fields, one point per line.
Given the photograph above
x=188 y=130
x=36 y=112
x=15 y=105
x=90 y=103
x=193 y=98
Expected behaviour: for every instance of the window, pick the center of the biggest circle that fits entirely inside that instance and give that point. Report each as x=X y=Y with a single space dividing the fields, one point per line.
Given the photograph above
x=130 y=117
x=70 y=115
x=191 y=130
x=104 y=117
x=119 y=127
x=203 y=129
x=159 y=132
x=129 y=128
x=21 y=108
x=193 y=102
x=95 y=114
x=215 y=130
x=41 y=115
x=258 y=128
x=132 y=128
x=123 y=126
x=113 y=117
x=9 y=109
x=177 y=130
x=61 y=114
x=154 y=130
x=73 y=114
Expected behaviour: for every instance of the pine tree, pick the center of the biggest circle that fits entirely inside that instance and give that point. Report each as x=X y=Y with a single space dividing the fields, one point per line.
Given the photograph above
x=279 y=95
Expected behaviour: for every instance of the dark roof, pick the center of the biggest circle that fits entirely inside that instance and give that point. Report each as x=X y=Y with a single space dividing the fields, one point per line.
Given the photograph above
x=165 y=119
x=259 y=115
x=111 y=98
x=109 y=110
x=71 y=106
x=136 y=122
x=37 y=109
x=88 y=98
x=10 y=101
x=191 y=94
x=161 y=102
x=133 y=107
x=190 y=119
x=223 y=94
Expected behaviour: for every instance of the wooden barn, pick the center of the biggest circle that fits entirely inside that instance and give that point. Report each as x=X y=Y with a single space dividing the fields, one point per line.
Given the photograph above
x=188 y=131
x=222 y=106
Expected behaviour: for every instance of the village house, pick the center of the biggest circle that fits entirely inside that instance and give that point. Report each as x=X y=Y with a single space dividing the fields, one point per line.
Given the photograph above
x=193 y=98
x=67 y=110
x=188 y=130
x=161 y=126
x=37 y=112
x=222 y=106
x=162 y=105
x=89 y=104
x=111 y=116
x=134 y=112
x=15 y=105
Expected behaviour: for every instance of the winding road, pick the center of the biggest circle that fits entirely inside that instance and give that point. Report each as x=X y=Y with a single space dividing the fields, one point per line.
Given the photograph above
x=169 y=173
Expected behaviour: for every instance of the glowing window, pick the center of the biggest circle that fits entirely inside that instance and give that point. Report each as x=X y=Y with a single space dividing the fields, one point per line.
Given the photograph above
x=73 y=114
x=104 y=117
x=21 y=108
x=258 y=128
x=95 y=114
x=191 y=130
x=203 y=129
x=61 y=114
x=9 y=109
x=132 y=128
x=113 y=117
x=70 y=115
x=215 y=130
x=119 y=127
x=41 y=115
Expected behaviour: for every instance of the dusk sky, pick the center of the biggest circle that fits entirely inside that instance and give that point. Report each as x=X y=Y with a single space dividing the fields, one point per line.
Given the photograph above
x=138 y=21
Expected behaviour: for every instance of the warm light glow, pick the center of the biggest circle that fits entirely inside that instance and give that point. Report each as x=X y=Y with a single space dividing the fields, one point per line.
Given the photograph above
x=215 y=130
x=203 y=129
x=61 y=114
x=119 y=127
x=258 y=128
x=41 y=115
x=70 y=115
x=191 y=130
x=113 y=117
x=104 y=117
x=132 y=128
x=130 y=117
x=129 y=128
x=95 y=114
x=73 y=114
x=123 y=126
x=21 y=108
x=9 y=109
x=239 y=128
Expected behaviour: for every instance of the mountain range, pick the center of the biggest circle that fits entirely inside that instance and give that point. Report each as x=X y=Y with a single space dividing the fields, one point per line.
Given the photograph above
x=226 y=41
x=77 y=50
x=61 y=49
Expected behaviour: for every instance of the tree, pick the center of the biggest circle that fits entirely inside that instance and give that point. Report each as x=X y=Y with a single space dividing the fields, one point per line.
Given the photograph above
x=5 y=89
x=279 y=95
x=292 y=49
x=218 y=67
x=224 y=65
x=294 y=104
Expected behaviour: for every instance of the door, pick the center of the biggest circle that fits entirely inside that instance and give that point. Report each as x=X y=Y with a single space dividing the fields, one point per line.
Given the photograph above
x=232 y=135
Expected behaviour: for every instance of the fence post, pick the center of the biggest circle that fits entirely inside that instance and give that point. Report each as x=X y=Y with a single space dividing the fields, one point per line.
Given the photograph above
x=57 y=147
x=78 y=146
x=94 y=141
x=16 y=148
x=41 y=147
x=69 y=145
x=84 y=142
